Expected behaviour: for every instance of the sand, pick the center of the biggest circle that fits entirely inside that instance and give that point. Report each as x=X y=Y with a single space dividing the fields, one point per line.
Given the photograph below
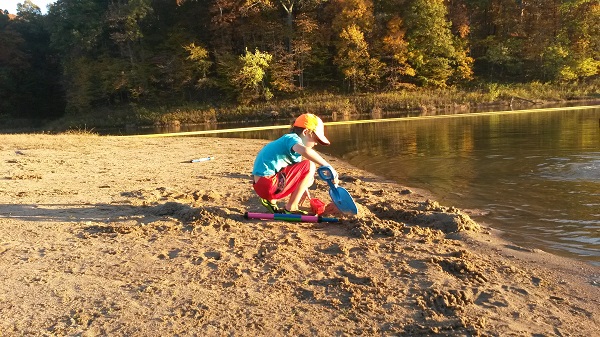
x=121 y=236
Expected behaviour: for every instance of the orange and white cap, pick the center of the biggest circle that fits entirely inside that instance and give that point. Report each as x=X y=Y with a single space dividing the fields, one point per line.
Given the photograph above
x=313 y=123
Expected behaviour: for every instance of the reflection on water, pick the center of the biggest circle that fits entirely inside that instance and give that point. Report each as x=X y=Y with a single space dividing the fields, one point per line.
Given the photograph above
x=538 y=174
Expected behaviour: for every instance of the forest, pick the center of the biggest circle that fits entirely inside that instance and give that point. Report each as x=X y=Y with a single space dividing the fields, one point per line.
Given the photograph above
x=86 y=56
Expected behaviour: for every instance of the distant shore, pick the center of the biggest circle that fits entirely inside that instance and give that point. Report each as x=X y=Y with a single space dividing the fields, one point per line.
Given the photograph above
x=493 y=97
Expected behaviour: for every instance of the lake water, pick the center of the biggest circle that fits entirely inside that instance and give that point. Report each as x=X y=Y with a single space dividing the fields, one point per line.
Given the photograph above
x=536 y=174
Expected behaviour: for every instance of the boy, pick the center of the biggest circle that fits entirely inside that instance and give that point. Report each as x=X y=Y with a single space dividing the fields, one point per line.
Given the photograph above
x=287 y=165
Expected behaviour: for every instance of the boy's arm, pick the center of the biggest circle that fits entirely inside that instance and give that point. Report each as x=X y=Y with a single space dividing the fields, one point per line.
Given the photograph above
x=315 y=157
x=310 y=154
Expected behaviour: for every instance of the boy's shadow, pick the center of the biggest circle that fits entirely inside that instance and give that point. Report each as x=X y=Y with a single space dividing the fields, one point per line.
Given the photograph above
x=105 y=213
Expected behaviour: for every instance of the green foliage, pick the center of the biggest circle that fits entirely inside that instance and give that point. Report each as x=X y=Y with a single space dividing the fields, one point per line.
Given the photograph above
x=494 y=91
x=108 y=57
x=502 y=56
x=200 y=64
x=28 y=11
x=249 y=80
x=13 y=60
x=554 y=62
x=76 y=27
x=436 y=54
x=82 y=84
x=29 y=74
x=124 y=20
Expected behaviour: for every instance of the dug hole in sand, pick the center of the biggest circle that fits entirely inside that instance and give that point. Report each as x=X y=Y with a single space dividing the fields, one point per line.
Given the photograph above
x=125 y=237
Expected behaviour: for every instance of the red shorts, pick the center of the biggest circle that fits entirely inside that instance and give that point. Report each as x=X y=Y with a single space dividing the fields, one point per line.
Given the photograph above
x=283 y=183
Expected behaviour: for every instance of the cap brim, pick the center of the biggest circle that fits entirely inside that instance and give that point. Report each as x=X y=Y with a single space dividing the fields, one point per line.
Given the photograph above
x=322 y=139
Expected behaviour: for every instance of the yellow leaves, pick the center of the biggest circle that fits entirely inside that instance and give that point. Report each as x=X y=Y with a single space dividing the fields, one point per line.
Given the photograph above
x=394 y=42
x=196 y=53
x=249 y=79
x=354 y=37
x=357 y=12
x=463 y=30
x=255 y=5
x=465 y=67
x=352 y=50
x=587 y=67
x=200 y=62
x=258 y=60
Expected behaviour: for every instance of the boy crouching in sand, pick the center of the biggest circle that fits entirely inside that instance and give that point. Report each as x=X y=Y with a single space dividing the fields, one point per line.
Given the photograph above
x=287 y=166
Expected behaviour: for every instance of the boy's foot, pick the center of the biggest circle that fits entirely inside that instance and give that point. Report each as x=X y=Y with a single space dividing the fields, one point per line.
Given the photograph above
x=270 y=205
x=298 y=211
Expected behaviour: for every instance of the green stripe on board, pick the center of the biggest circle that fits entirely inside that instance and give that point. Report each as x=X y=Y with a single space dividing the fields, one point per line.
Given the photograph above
x=274 y=127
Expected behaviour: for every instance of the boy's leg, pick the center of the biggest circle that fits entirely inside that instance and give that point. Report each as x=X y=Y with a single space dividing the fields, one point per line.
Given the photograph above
x=263 y=188
x=288 y=181
x=306 y=181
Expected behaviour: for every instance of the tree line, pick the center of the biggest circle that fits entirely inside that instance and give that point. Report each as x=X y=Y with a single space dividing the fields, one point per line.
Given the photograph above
x=92 y=54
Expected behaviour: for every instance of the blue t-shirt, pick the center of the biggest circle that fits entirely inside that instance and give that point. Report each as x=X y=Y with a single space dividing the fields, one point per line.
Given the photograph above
x=277 y=155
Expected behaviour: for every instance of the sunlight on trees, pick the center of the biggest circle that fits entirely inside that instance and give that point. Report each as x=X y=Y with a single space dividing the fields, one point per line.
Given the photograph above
x=250 y=79
x=93 y=54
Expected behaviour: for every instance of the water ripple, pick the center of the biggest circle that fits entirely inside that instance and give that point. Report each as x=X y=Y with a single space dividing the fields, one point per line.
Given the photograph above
x=584 y=167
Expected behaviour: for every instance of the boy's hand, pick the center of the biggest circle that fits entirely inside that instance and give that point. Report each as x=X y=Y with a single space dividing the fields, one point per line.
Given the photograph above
x=334 y=173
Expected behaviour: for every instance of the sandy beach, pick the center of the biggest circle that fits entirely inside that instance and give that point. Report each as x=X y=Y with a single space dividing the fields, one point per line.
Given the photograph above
x=123 y=236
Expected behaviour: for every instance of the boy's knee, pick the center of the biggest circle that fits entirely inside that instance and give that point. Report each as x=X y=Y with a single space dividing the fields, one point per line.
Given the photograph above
x=311 y=173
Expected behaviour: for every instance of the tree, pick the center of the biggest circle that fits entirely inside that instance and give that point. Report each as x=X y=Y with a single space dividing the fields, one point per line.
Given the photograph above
x=249 y=79
x=199 y=64
x=575 y=53
x=359 y=69
x=13 y=61
x=436 y=54
x=396 y=53
x=125 y=19
x=28 y=10
x=283 y=70
x=78 y=34
x=29 y=71
x=303 y=38
x=76 y=27
x=353 y=21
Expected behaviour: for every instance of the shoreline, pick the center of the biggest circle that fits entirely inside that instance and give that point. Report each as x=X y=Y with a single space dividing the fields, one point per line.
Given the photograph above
x=115 y=235
x=268 y=112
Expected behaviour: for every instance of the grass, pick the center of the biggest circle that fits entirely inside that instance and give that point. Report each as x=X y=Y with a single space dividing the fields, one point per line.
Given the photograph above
x=80 y=132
